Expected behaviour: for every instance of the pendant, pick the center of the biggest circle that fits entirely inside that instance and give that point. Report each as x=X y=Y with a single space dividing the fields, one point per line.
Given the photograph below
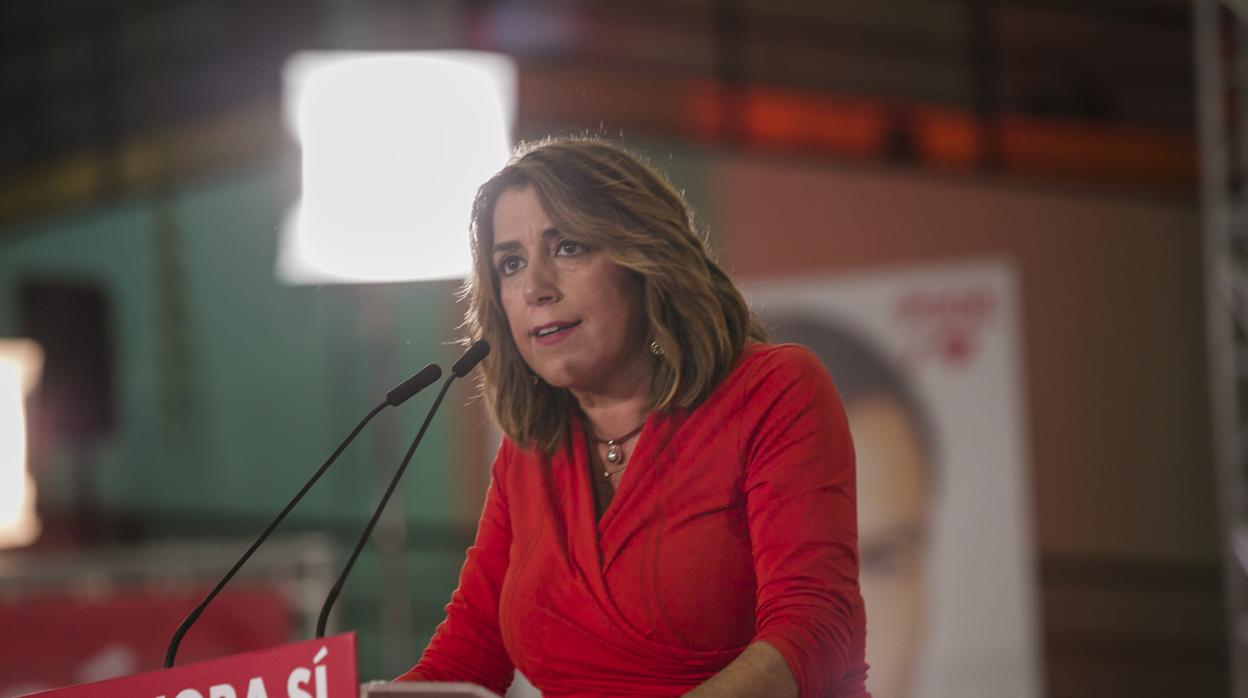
x=614 y=453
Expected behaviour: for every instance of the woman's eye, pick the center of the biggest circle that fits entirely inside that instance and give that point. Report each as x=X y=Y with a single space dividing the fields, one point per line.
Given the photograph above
x=509 y=265
x=568 y=248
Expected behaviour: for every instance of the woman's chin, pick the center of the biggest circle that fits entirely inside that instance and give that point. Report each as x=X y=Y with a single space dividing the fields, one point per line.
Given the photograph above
x=557 y=379
x=559 y=374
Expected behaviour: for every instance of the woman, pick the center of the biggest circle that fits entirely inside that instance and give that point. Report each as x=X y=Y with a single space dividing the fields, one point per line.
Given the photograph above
x=672 y=510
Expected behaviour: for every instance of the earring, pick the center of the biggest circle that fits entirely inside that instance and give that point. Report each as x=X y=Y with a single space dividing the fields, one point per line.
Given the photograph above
x=655 y=348
x=533 y=378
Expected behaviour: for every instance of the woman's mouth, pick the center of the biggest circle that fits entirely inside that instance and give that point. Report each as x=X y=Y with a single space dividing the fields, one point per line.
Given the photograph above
x=554 y=332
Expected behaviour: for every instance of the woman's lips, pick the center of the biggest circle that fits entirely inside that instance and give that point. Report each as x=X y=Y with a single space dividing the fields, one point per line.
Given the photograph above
x=556 y=336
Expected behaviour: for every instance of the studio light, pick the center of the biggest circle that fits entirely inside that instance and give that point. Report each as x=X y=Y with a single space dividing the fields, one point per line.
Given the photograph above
x=393 y=146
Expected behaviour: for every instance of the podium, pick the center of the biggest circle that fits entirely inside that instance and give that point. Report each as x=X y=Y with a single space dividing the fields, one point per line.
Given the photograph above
x=324 y=668
x=424 y=689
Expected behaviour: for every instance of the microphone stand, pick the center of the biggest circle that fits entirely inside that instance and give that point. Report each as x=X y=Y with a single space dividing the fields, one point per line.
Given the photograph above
x=465 y=364
x=395 y=397
x=323 y=619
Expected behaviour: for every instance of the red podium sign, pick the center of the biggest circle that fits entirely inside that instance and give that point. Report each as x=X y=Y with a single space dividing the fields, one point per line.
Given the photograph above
x=313 y=669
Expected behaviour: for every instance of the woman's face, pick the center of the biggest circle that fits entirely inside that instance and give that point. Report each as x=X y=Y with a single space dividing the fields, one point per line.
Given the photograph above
x=575 y=316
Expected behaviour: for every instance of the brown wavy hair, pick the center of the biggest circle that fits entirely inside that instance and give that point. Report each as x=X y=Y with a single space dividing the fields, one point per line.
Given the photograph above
x=607 y=197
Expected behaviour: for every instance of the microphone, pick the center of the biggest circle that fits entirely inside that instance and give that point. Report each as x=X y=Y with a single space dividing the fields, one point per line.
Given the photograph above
x=471 y=358
x=466 y=363
x=421 y=380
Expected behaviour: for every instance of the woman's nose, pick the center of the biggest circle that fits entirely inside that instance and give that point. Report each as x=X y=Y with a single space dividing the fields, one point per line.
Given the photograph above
x=540 y=286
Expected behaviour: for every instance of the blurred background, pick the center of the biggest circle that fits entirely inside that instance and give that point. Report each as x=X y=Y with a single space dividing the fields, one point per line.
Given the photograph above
x=1000 y=200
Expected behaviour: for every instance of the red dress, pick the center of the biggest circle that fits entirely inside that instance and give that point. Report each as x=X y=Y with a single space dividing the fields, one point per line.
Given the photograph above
x=734 y=522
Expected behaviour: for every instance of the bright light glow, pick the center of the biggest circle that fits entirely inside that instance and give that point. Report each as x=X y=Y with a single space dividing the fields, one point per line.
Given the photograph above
x=20 y=364
x=394 y=148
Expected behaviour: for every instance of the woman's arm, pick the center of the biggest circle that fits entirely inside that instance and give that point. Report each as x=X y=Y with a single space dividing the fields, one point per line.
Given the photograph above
x=800 y=501
x=758 y=671
x=467 y=646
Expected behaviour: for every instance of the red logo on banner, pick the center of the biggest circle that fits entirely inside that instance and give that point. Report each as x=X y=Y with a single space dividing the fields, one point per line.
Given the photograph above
x=944 y=324
x=313 y=669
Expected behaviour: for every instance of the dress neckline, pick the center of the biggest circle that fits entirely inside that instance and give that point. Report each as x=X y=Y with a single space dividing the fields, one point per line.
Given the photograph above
x=638 y=459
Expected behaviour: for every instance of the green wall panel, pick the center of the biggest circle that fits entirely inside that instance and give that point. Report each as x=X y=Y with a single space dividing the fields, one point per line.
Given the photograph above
x=266 y=377
x=232 y=387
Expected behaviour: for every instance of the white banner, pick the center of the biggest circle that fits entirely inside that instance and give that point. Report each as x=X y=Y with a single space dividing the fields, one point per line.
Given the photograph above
x=929 y=364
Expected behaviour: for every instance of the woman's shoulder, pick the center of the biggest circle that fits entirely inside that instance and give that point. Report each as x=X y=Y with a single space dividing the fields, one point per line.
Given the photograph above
x=515 y=456
x=764 y=369
x=509 y=454
x=760 y=360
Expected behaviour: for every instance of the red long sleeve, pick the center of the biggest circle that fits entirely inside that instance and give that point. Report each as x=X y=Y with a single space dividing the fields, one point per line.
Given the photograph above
x=800 y=496
x=735 y=522
x=467 y=646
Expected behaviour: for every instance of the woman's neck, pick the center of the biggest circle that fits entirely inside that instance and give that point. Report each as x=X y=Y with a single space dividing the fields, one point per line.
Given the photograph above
x=619 y=405
x=618 y=411
x=610 y=419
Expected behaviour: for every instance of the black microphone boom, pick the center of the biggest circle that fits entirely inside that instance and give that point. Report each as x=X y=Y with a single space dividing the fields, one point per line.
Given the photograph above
x=418 y=382
x=471 y=358
x=466 y=363
x=423 y=379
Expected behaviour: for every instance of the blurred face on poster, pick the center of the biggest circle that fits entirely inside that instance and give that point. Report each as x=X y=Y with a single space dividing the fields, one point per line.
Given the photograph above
x=894 y=469
x=891 y=520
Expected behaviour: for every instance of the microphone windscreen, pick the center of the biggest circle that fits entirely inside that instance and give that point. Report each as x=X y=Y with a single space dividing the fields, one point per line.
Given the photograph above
x=471 y=358
x=413 y=385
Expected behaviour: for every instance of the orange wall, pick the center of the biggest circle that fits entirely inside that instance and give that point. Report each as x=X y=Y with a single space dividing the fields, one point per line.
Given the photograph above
x=1113 y=335
x=1112 y=321
x=1113 y=339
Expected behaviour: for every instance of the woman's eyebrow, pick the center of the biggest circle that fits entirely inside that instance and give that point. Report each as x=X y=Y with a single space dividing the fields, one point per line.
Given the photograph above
x=513 y=245
x=508 y=246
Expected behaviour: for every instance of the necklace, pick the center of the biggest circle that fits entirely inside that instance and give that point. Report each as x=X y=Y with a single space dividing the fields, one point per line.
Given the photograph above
x=615 y=450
